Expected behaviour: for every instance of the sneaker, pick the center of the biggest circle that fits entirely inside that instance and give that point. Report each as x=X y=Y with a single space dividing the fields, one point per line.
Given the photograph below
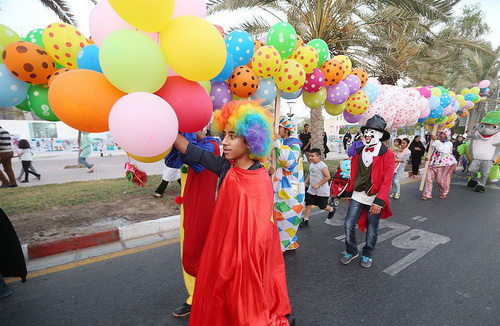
x=6 y=293
x=39 y=176
x=182 y=310
x=472 y=183
x=366 y=262
x=24 y=181
x=347 y=258
x=304 y=223
x=392 y=195
x=396 y=196
x=330 y=214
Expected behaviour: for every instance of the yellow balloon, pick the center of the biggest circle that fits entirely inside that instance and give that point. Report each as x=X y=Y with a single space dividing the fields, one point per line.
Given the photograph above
x=335 y=109
x=266 y=61
x=193 y=47
x=7 y=36
x=346 y=64
x=357 y=103
x=151 y=159
x=314 y=100
x=147 y=15
x=63 y=42
x=475 y=90
x=307 y=56
x=291 y=76
x=452 y=94
x=465 y=91
x=451 y=118
x=436 y=92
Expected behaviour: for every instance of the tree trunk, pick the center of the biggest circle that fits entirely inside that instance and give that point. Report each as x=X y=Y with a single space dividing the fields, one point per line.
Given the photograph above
x=317 y=127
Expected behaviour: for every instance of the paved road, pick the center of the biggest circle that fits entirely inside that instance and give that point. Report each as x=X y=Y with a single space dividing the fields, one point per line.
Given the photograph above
x=437 y=264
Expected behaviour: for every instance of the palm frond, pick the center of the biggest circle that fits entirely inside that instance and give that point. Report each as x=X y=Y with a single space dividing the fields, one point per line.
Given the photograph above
x=61 y=9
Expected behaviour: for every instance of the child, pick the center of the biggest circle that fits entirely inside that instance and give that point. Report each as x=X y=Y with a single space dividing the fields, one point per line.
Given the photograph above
x=26 y=158
x=402 y=155
x=319 y=190
x=85 y=150
x=241 y=275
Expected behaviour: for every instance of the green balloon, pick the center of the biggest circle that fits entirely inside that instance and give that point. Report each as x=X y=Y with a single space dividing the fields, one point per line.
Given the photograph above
x=7 y=36
x=206 y=85
x=38 y=99
x=283 y=37
x=335 y=109
x=441 y=118
x=314 y=100
x=24 y=105
x=443 y=90
x=35 y=37
x=322 y=49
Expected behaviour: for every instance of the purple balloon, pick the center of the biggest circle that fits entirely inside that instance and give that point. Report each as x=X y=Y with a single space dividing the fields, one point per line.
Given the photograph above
x=353 y=82
x=220 y=94
x=337 y=94
x=352 y=118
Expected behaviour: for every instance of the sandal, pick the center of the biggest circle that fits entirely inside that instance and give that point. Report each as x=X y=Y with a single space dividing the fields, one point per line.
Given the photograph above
x=442 y=196
x=157 y=195
x=425 y=198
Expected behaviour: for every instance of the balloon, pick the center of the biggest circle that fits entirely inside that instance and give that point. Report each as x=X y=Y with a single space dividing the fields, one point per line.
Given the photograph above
x=267 y=91
x=133 y=62
x=7 y=36
x=469 y=97
x=266 y=61
x=443 y=90
x=292 y=95
x=35 y=37
x=464 y=91
x=146 y=15
x=357 y=103
x=190 y=7
x=243 y=82
x=257 y=44
x=206 y=85
x=441 y=119
x=104 y=20
x=425 y=92
x=227 y=70
x=436 y=113
x=448 y=110
x=434 y=102
x=333 y=71
x=314 y=100
x=469 y=104
x=334 y=109
x=88 y=58
x=445 y=100
x=346 y=64
x=464 y=113
x=141 y=134
x=193 y=47
x=337 y=94
x=475 y=98
x=38 y=101
x=484 y=84
x=24 y=105
x=193 y=112
x=283 y=37
x=353 y=83
x=314 y=81
x=291 y=76
x=425 y=113
x=151 y=159
x=351 y=118
x=63 y=42
x=82 y=99
x=240 y=44
x=220 y=94
x=371 y=90
x=12 y=90
x=361 y=74
x=322 y=50
x=28 y=62
x=57 y=74
x=475 y=90
x=300 y=42
x=307 y=56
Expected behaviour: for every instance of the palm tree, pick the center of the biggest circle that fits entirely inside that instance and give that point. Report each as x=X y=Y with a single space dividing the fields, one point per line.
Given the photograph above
x=61 y=9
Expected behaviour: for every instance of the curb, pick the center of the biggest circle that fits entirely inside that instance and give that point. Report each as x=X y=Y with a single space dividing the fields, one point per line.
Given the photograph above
x=132 y=231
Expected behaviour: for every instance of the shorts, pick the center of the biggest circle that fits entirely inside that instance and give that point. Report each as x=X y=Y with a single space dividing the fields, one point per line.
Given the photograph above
x=313 y=200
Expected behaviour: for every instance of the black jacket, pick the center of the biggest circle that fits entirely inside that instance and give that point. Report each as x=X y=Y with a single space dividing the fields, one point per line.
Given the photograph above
x=11 y=255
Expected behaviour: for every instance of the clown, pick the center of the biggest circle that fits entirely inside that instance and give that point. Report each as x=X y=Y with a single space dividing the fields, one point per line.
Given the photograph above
x=289 y=191
x=372 y=168
x=484 y=150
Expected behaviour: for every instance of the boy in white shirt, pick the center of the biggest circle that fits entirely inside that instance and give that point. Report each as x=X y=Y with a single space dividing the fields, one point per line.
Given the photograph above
x=319 y=189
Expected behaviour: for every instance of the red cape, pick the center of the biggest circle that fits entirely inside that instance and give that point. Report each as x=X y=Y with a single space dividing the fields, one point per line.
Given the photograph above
x=241 y=279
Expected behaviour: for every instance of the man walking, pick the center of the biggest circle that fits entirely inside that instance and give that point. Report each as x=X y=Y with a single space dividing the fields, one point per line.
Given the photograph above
x=305 y=138
x=6 y=155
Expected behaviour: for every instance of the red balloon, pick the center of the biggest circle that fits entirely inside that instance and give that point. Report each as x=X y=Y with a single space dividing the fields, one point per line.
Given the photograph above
x=190 y=101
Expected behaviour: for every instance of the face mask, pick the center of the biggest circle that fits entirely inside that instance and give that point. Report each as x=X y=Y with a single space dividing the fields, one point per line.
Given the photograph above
x=372 y=137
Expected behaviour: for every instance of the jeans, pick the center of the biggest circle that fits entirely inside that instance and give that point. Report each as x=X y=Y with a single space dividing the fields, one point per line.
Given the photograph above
x=396 y=186
x=4 y=288
x=353 y=212
x=83 y=161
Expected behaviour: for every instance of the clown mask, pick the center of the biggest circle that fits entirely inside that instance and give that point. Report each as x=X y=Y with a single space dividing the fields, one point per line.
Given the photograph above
x=372 y=137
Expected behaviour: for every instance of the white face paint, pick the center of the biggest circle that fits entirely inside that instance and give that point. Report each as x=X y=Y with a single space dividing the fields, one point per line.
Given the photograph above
x=372 y=137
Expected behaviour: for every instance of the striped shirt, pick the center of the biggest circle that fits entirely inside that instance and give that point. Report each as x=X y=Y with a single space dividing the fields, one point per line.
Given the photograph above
x=5 y=141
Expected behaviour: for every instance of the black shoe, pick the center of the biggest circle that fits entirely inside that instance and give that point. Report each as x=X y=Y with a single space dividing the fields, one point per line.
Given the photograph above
x=479 y=188
x=291 y=320
x=39 y=176
x=24 y=181
x=330 y=215
x=472 y=183
x=182 y=310
x=304 y=223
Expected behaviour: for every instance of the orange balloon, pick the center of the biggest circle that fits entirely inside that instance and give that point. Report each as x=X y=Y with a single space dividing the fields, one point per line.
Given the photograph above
x=56 y=74
x=300 y=42
x=333 y=71
x=243 y=82
x=29 y=62
x=257 y=44
x=83 y=99
x=361 y=74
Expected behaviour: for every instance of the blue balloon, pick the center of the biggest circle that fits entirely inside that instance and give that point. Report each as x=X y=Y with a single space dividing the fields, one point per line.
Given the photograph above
x=434 y=102
x=371 y=90
x=469 y=97
x=227 y=70
x=445 y=100
x=422 y=120
x=12 y=90
x=291 y=96
x=88 y=58
x=267 y=91
x=240 y=44
x=436 y=113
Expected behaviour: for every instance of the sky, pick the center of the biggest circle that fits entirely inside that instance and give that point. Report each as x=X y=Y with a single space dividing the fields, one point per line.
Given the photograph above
x=26 y=15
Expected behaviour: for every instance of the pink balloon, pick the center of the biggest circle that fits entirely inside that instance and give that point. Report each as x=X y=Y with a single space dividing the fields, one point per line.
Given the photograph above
x=190 y=7
x=484 y=83
x=143 y=124
x=448 y=110
x=425 y=92
x=314 y=81
x=425 y=112
x=104 y=20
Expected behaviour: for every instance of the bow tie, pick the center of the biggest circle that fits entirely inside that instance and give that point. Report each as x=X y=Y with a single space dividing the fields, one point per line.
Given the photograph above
x=369 y=149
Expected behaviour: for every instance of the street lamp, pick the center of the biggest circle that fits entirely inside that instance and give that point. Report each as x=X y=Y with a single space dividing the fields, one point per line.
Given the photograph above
x=290 y=106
